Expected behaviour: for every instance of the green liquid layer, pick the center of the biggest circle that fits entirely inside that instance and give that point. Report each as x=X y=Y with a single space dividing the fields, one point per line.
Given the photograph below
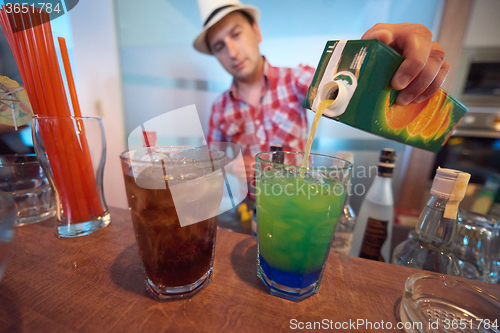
x=296 y=220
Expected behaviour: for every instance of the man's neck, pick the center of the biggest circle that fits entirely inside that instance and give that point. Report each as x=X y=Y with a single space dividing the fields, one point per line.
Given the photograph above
x=250 y=89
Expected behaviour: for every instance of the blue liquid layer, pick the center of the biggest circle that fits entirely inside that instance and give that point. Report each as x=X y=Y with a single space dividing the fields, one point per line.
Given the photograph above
x=292 y=280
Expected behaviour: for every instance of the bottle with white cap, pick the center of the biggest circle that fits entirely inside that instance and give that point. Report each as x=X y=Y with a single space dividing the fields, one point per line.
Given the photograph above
x=428 y=247
x=373 y=230
x=345 y=226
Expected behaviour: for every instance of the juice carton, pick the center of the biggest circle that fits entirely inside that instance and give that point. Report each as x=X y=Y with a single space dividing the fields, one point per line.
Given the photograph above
x=357 y=75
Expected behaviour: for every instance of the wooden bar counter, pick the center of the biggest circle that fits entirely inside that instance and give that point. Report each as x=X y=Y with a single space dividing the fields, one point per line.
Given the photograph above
x=95 y=284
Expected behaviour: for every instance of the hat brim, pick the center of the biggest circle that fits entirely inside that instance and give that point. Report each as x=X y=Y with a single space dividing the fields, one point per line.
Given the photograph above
x=200 y=43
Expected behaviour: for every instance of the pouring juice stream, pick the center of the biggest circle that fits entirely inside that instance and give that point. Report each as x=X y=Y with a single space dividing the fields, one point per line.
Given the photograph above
x=319 y=112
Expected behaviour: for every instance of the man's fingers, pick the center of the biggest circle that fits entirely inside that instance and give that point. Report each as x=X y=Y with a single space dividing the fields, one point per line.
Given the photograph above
x=412 y=41
x=425 y=77
x=436 y=84
x=416 y=44
x=378 y=32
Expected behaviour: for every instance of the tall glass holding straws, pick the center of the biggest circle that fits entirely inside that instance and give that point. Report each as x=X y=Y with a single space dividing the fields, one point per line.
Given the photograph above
x=64 y=146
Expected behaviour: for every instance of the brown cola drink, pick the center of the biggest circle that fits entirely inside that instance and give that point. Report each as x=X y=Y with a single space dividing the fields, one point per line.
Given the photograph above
x=177 y=259
x=172 y=255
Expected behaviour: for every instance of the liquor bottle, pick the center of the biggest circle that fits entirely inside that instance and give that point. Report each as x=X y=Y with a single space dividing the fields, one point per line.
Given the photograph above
x=347 y=219
x=428 y=248
x=373 y=230
x=278 y=158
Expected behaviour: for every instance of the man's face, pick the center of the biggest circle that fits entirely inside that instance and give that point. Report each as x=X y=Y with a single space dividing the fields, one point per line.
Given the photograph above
x=235 y=43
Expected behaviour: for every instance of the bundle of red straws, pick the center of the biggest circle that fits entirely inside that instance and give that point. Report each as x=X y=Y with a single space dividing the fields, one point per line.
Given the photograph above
x=30 y=37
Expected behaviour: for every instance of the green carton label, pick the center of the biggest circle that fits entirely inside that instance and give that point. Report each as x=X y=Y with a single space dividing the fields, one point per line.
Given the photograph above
x=358 y=73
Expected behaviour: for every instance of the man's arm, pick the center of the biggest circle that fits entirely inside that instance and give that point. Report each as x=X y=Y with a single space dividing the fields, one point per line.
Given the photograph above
x=424 y=68
x=302 y=77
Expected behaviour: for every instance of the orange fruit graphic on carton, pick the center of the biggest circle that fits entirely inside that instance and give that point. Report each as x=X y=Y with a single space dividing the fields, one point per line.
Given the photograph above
x=398 y=117
x=443 y=128
x=436 y=122
x=426 y=116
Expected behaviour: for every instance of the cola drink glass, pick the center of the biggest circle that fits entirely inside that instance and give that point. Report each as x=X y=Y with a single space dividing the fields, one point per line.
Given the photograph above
x=174 y=194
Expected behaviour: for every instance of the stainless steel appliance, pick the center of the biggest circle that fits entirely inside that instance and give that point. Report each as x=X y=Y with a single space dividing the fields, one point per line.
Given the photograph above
x=477 y=80
x=475 y=145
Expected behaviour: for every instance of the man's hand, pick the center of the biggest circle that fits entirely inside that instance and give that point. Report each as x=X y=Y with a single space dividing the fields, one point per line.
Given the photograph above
x=424 y=68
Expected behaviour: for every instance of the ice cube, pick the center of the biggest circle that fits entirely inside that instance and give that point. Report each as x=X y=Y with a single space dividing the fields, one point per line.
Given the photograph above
x=152 y=178
x=179 y=173
x=184 y=160
x=272 y=174
x=317 y=178
x=192 y=155
x=140 y=163
x=157 y=157
x=197 y=199
x=308 y=177
x=321 y=179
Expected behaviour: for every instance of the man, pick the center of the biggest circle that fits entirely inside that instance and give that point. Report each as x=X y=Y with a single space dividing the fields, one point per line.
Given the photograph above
x=263 y=106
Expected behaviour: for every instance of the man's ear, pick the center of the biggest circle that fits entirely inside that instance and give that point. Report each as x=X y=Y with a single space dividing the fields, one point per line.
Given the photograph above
x=256 y=28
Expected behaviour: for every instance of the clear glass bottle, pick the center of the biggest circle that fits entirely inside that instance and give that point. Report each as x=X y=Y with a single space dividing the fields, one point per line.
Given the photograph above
x=428 y=248
x=344 y=230
x=347 y=219
x=373 y=229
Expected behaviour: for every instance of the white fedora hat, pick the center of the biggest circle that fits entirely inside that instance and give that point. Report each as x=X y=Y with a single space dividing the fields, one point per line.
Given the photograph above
x=212 y=11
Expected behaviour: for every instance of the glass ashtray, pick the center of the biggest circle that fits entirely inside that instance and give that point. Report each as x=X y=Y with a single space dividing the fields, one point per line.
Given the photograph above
x=438 y=303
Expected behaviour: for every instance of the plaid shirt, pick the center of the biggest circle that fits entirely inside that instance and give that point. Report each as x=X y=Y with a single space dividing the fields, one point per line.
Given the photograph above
x=280 y=118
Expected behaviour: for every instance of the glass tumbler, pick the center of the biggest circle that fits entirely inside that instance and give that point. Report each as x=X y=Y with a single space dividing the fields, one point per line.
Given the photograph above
x=72 y=152
x=297 y=212
x=477 y=246
x=22 y=177
x=174 y=194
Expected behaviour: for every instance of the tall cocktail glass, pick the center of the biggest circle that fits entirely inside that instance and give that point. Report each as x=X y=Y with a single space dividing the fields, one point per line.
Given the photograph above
x=174 y=194
x=297 y=211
